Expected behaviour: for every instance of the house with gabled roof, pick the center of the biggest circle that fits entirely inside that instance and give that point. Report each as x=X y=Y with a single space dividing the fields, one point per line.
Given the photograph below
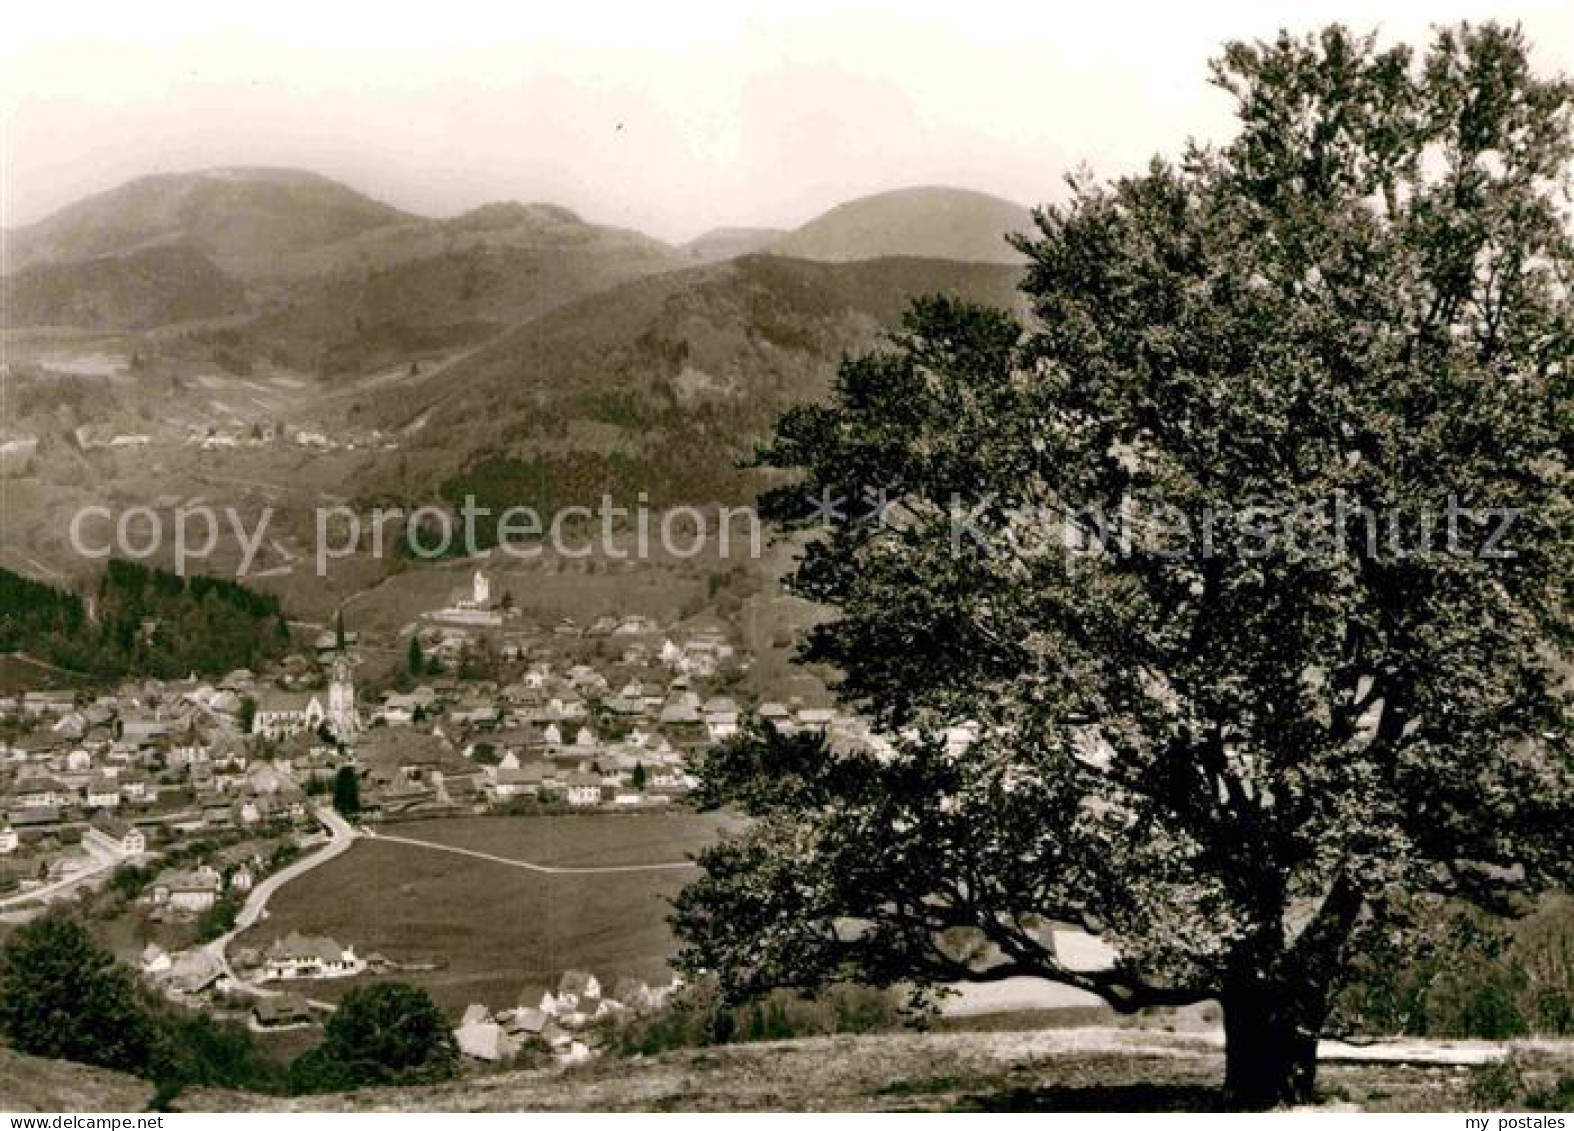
x=309 y=956
x=194 y=971
x=43 y=793
x=486 y=1041
x=582 y=789
x=194 y=891
x=281 y=1011
x=115 y=835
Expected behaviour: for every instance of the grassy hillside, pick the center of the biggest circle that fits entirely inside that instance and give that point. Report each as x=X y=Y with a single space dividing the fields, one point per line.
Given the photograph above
x=28 y=1083
x=492 y=929
x=662 y=384
x=405 y=310
x=243 y=218
x=933 y=222
x=1052 y=1070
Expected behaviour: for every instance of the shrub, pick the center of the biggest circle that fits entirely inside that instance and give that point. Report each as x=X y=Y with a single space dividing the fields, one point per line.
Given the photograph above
x=390 y=1033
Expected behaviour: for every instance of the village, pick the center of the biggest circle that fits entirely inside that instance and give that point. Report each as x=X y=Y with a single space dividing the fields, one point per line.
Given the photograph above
x=191 y=800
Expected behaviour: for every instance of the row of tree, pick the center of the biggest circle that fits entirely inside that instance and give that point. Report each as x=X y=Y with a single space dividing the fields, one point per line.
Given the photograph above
x=63 y=996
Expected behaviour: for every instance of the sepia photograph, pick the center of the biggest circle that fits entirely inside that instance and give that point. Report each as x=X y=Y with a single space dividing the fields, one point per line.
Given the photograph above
x=802 y=557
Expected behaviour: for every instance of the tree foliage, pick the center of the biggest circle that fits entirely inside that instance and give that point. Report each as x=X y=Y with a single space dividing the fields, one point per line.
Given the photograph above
x=347 y=791
x=390 y=1033
x=1221 y=741
x=63 y=996
x=145 y=621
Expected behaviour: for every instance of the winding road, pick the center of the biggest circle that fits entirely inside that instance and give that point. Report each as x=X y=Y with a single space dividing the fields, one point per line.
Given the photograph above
x=104 y=862
x=341 y=835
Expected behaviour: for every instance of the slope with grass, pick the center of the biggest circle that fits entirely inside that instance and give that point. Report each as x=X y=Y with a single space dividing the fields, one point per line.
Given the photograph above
x=30 y=1083
x=930 y=222
x=1047 y=1070
x=481 y=930
x=244 y=218
x=152 y=286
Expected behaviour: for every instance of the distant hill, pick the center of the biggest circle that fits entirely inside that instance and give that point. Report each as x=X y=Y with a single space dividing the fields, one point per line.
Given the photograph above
x=720 y=244
x=535 y=227
x=245 y=219
x=661 y=384
x=332 y=280
x=932 y=223
x=151 y=287
x=430 y=285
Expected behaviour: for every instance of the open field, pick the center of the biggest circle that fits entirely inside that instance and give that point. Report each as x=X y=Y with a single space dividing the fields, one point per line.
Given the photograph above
x=491 y=930
x=1059 y=1070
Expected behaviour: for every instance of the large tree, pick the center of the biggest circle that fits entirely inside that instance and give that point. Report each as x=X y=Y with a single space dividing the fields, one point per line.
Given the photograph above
x=1227 y=741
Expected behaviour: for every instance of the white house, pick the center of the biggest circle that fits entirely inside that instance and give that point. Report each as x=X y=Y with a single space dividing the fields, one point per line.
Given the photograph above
x=583 y=789
x=115 y=835
x=306 y=956
x=43 y=793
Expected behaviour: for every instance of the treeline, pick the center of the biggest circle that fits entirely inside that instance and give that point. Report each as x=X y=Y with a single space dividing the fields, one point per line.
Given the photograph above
x=145 y=621
x=1474 y=976
x=32 y=613
x=65 y=997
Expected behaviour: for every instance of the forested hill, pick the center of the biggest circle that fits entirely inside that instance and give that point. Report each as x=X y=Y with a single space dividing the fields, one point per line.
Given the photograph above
x=143 y=622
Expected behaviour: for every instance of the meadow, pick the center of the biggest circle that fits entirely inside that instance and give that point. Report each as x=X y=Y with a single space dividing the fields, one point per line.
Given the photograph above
x=488 y=930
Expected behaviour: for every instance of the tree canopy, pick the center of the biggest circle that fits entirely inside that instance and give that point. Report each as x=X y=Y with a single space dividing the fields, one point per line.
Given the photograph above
x=144 y=620
x=347 y=791
x=63 y=996
x=389 y=1033
x=1217 y=604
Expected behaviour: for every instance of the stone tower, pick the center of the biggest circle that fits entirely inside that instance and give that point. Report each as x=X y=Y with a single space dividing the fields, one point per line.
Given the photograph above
x=482 y=590
x=341 y=696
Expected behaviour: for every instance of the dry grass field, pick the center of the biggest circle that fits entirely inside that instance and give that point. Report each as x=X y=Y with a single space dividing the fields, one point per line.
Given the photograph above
x=1091 y=1069
x=1058 y=1070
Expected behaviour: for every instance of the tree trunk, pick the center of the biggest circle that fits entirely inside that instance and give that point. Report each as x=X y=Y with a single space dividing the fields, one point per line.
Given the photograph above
x=1270 y=1050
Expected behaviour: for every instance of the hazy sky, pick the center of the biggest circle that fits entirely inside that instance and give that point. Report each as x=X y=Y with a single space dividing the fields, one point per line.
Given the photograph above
x=666 y=116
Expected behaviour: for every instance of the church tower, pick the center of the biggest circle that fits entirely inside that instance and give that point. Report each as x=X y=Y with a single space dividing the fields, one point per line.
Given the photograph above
x=341 y=696
x=482 y=590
